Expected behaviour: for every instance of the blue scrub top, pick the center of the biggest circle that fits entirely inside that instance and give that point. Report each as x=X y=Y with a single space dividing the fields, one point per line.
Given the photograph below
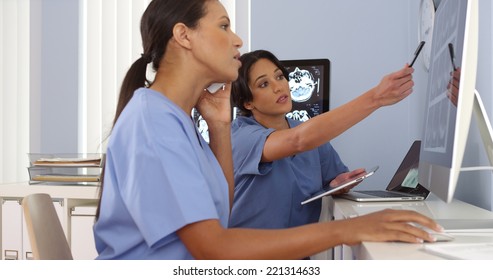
x=160 y=176
x=269 y=195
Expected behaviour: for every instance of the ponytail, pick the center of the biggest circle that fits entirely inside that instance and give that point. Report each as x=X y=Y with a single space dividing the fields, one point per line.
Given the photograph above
x=134 y=79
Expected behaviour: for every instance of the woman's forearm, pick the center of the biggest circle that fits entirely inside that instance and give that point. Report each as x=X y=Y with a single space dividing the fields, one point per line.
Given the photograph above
x=220 y=144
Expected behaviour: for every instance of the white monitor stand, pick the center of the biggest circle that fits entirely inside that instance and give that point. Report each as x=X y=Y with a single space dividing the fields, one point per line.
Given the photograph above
x=485 y=131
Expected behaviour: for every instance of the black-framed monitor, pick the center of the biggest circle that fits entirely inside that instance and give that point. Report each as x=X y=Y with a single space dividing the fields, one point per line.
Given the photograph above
x=449 y=105
x=309 y=83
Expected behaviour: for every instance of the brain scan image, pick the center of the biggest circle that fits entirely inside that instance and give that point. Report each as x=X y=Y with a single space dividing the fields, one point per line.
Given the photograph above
x=300 y=115
x=308 y=84
x=203 y=128
x=301 y=84
x=201 y=124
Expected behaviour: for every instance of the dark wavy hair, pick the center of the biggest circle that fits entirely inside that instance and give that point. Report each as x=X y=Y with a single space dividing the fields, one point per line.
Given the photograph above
x=156 y=28
x=240 y=91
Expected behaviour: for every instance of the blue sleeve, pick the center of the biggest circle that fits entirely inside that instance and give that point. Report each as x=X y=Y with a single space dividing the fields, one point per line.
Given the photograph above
x=248 y=140
x=331 y=163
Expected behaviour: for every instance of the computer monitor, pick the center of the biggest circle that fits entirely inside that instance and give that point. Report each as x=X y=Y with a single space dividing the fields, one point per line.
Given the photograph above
x=450 y=102
x=309 y=85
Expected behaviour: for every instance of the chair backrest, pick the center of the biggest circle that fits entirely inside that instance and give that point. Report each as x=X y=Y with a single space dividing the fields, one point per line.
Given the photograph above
x=48 y=240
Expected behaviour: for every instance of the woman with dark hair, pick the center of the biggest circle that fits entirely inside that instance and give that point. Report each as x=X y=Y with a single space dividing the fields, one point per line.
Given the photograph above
x=278 y=161
x=159 y=174
x=166 y=193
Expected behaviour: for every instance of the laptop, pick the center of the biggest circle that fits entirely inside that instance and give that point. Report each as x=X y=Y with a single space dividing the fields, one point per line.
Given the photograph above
x=403 y=186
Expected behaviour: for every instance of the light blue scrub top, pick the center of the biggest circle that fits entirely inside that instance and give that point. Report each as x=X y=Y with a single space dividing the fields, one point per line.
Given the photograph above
x=158 y=178
x=269 y=195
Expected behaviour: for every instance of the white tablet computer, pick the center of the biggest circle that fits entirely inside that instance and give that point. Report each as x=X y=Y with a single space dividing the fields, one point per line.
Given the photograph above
x=330 y=190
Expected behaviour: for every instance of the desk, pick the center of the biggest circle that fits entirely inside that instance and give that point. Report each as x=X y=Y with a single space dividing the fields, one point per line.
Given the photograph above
x=433 y=207
x=70 y=196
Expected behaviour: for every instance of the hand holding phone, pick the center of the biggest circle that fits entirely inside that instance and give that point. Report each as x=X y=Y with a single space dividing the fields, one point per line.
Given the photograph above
x=416 y=52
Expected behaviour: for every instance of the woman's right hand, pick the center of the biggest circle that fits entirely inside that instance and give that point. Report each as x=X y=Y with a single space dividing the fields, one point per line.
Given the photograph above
x=394 y=87
x=216 y=107
x=389 y=225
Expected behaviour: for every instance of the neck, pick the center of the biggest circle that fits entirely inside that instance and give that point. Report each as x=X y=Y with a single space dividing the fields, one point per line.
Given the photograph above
x=183 y=90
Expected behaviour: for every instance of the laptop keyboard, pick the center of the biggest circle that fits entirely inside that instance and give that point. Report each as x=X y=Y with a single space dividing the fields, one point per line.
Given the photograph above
x=381 y=193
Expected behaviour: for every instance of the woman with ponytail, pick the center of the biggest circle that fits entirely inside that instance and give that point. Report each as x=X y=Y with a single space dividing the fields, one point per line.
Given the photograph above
x=167 y=193
x=159 y=174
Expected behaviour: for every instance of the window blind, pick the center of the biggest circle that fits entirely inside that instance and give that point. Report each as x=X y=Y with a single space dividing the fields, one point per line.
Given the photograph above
x=14 y=88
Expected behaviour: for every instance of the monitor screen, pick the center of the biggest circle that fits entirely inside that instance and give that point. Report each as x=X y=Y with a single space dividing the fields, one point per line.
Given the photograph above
x=309 y=85
x=201 y=124
x=450 y=95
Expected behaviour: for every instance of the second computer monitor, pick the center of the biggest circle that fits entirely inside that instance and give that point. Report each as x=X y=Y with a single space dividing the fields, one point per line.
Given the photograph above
x=309 y=85
x=451 y=86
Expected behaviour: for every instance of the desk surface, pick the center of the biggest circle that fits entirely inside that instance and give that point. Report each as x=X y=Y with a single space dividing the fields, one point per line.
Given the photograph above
x=404 y=251
x=19 y=190
x=432 y=207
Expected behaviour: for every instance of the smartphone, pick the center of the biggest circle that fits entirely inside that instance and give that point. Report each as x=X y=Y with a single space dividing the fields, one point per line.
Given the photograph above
x=331 y=190
x=416 y=52
x=215 y=87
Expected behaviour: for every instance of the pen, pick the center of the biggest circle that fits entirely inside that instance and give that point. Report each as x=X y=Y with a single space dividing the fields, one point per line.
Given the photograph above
x=416 y=53
x=452 y=55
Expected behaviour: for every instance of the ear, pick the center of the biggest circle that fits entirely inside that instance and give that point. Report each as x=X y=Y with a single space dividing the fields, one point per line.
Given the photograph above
x=181 y=34
x=248 y=105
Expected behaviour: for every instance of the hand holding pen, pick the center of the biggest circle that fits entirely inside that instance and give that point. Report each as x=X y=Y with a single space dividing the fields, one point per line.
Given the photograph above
x=453 y=85
x=416 y=52
x=452 y=55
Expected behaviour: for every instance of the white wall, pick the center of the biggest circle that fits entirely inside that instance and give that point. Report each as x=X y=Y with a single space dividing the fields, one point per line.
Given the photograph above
x=58 y=72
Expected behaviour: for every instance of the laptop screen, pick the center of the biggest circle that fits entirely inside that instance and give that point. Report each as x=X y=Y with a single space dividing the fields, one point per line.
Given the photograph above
x=406 y=177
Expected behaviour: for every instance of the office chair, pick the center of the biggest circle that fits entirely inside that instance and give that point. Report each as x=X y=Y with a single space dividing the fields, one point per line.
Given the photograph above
x=48 y=240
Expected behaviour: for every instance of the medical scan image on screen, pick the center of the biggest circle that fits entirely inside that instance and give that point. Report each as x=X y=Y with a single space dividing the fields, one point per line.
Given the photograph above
x=306 y=87
x=442 y=110
x=201 y=124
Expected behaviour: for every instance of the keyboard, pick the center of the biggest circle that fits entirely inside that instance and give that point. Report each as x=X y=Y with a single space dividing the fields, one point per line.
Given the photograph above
x=462 y=251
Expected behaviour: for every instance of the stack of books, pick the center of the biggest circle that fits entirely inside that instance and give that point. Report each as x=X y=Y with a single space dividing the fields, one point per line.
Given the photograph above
x=65 y=168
